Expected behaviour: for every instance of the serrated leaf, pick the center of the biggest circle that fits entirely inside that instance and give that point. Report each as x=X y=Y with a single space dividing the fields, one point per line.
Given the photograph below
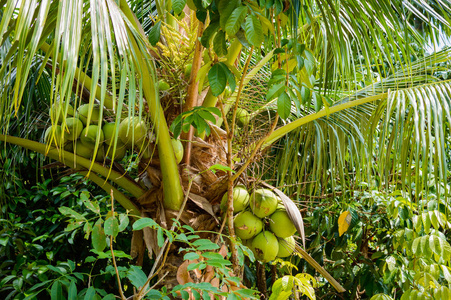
x=284 y=105
x=233 y=23
x=343 y=222
x=218 y=79
x=98 y=236
x=253 y=29
x=154 y=34
x=178 y=6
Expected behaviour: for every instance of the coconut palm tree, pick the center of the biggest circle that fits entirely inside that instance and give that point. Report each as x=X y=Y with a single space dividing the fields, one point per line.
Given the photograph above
x=325 y=86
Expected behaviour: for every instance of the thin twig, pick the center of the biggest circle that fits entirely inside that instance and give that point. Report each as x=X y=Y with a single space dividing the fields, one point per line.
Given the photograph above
x=121 y=293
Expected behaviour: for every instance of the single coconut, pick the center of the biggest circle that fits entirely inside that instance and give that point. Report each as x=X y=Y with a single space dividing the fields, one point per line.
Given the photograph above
x=55 y=138
x=100 y=155
x=57 y=111
x=240 y=199
x=118 y=154
x=82 y=150
x=242 y=117
x=187 y=71
x=286 y=246
x=178 y=149
x=72 y=129
x=281 y=224
x=132 y=131
x=247 y=225
x=109 y=132
x=265 y=246
x=83 y=112
x=69 y=146
x=163 y=85
x=263 y=202
x=89 y=134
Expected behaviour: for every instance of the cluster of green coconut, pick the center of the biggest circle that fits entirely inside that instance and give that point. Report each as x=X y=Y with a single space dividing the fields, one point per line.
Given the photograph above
x=262 y=223
x=78 y=137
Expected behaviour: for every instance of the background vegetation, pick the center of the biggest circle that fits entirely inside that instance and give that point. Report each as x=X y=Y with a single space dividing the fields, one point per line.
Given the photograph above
x=336 y=104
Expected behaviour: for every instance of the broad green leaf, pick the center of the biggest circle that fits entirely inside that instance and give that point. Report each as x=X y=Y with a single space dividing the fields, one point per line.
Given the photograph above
x=144 y=222
x=284 y=105
x=317 y=101
x=56 y=293
x=178 y=6
x=234 y=21
x=72 y=293
x=154 y=34
x=219 y=44
x=123 y=222
x=111 y=226
x=218 y=79
x=90 y=293
x=136 y=276
x=191 y=256
x=98 y=236
x=275 y=90
x=70 y=212
x=209 y=32
x=253 y=29
x=225 y=8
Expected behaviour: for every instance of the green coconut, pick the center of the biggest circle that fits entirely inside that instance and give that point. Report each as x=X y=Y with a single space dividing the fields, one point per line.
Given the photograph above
x=82 y=150
x=286 y=246
x=178 y=149
x=57 y=111
x=187 y=71
x=263 y=202
x=83 y=112
x=56 y=138
x=89 y=134
x=100 y=155
x=242 y=117
x=132 y=131
x=265 y=246
x=73 y=129
x=281 y=224
x=240 y=199
x=163 y=85
x=118 y=154
x=109 y=132
x=247 y=225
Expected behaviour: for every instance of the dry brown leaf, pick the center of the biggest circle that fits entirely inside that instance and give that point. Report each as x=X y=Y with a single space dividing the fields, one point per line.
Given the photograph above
x=223 y=251
x=204 y=204
x=183 y=274
x=209 y=274
x=137 y=246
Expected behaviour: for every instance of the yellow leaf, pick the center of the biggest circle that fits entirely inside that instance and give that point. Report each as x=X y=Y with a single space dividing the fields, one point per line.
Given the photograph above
x=343 y=222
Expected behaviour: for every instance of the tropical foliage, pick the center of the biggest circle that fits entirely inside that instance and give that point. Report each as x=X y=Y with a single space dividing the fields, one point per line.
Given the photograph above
x=335 y=101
